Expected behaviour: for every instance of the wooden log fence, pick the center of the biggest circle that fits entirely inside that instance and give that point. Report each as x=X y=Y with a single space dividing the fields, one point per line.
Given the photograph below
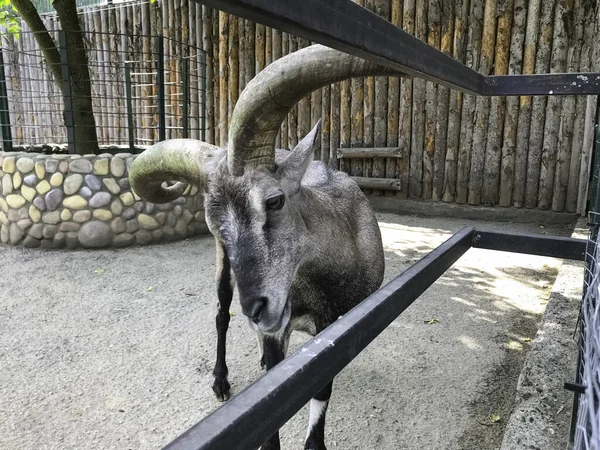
x=402 y=137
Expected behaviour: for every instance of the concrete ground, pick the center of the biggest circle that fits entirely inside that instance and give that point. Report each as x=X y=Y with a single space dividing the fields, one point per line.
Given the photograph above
x=114 y=349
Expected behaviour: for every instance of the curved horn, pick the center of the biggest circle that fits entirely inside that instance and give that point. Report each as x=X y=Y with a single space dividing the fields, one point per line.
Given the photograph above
x=174 y=159
x=267 y=99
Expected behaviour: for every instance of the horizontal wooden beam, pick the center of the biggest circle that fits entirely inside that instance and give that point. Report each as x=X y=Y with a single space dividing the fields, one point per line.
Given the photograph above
x=369 y=152
x=390 y=184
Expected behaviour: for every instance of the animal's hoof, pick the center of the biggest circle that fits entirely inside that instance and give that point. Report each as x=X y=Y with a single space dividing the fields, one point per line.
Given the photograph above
x=221 y=389
x=263 y=364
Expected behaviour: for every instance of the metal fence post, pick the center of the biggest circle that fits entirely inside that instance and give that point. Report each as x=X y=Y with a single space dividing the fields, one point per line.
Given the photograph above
x=68 y=113
x=4 y=111
x=160 y=81
x=203 y=114
x=129 y=105
x=185 y=95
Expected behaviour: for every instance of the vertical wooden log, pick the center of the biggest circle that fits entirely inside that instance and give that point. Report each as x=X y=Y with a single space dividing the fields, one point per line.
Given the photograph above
x=284 y=126
x=234 y=55
x=315 y=115
x=259 y=47
x=216 y=78
x=268 y=46
x=114 y=87
x=363 y=115
x=382 y=9
x=303 y=105
x=325 y=123
x=468 y=110
x=276 y=56
x=345 y=121
x=293 y=115
x=461 y=8
x=580 y=113
x=223 y=77
x=415 y=187
x=433 y=39
x=560 y=43
x=538 y=114
x=493 y=153
x=249 y=62
x=242 y=56
x=334 y=137
x=207 y=38
x=405 y=162
x=586 y=153
x=566 y=134
x=507 y=169
x=393 y=103
x=482 y=104
x=525 y=105
x=443 y=95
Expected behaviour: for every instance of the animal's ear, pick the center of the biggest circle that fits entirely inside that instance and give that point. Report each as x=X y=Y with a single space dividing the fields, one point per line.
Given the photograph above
x=293 y=167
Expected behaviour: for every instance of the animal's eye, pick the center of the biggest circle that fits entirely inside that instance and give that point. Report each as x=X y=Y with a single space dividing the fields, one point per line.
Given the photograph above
x=276 y=202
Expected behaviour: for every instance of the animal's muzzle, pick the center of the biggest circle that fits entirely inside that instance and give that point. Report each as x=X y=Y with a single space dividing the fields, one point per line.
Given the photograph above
x=254 y=307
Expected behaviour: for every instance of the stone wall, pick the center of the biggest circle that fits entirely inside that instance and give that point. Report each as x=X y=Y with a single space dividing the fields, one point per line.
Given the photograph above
x=70 y=201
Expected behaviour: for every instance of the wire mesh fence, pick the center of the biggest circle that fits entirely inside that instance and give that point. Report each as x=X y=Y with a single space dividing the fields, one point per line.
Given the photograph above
x=143 y=89
x=586 y=408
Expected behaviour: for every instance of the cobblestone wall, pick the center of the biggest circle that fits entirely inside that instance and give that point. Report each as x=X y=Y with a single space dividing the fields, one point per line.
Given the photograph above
x=70 y=201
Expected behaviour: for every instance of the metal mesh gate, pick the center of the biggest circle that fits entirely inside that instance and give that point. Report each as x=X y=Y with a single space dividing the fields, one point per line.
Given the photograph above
x=586 y=417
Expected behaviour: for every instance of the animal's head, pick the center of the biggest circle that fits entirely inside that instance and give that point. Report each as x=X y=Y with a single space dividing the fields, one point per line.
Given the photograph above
x=251 y=200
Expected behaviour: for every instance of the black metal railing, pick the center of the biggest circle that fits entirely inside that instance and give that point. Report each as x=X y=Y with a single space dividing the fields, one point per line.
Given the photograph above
x=287 y=387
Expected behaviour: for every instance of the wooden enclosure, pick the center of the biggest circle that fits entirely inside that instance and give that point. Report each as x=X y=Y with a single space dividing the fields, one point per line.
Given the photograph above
x=436 y=143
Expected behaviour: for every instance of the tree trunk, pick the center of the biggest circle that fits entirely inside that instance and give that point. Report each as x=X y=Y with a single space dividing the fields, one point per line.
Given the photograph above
x=86 y=140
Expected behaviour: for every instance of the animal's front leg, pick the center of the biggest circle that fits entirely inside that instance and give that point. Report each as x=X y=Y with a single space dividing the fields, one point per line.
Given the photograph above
x=225 y=294
x=315 y=436
x=273 y=353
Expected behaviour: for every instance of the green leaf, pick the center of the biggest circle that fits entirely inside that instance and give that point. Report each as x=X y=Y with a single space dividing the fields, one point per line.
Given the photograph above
x=495 y=418
x=231 y=313
x=431 y=321
x=149 y=288
x=99 y=270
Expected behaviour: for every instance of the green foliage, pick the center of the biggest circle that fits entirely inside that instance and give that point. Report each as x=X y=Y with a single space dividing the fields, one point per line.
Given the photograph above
x=10 y=22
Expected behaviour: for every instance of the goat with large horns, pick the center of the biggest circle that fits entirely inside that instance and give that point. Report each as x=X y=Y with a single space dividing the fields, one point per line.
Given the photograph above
x=299 y=240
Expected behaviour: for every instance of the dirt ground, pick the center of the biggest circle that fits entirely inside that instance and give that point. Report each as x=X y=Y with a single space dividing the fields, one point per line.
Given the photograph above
x=114 y=349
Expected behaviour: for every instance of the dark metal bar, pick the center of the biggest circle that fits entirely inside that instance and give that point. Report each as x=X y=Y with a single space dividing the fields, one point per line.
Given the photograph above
x=288 y=386
x=544 y=84
x=129 y=105
x=160 y=81
x=348 y=27
x=4 y=108
x=185 y=95
x=532 y=244
x=69 y=114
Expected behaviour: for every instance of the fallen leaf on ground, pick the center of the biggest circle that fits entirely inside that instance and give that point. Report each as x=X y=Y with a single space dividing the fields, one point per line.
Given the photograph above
x=431 y=321
x=231 y=313
x=149 y=289
x=99 y=270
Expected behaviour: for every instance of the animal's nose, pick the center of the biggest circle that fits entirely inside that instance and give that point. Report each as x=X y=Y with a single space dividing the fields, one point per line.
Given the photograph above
x=255 y=307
